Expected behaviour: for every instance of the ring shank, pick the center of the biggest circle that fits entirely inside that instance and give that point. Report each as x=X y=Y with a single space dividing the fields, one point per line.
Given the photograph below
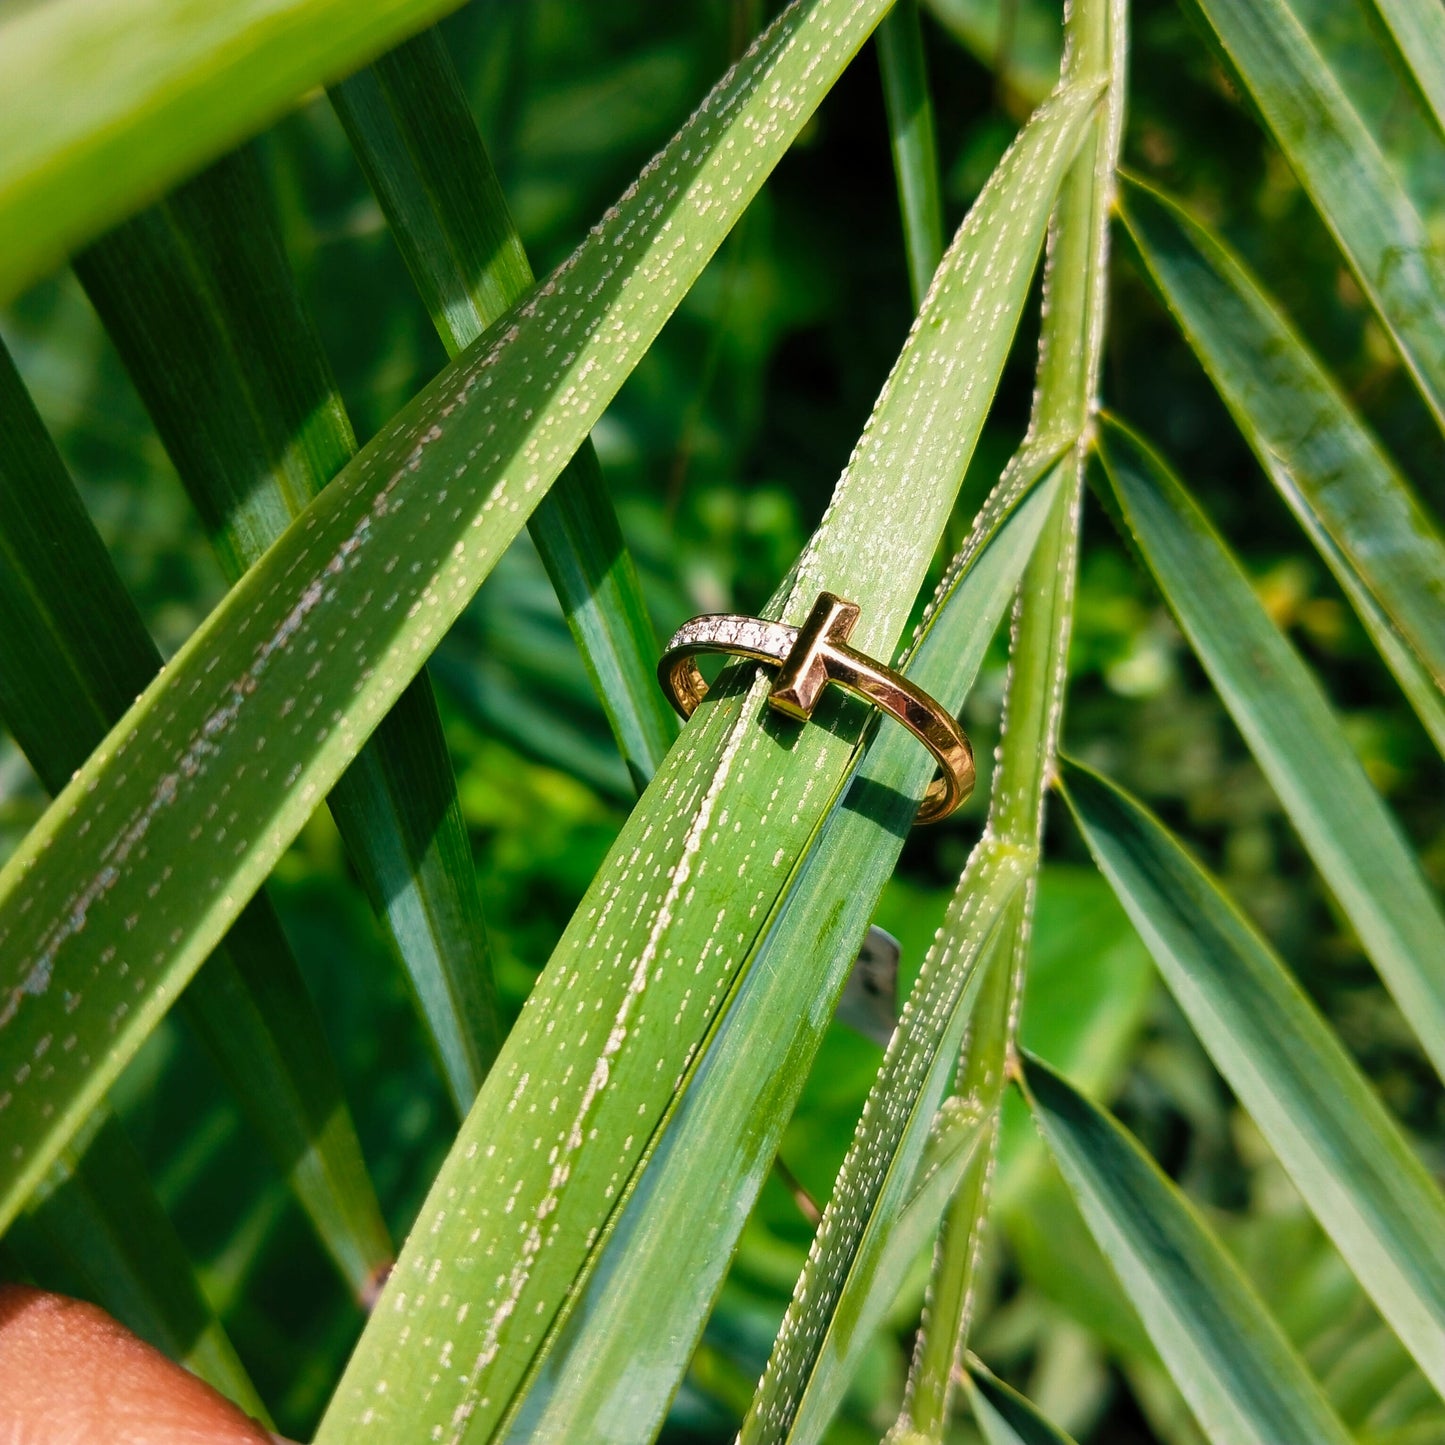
x=926 y=719
x=686 y=687
x=889 y=691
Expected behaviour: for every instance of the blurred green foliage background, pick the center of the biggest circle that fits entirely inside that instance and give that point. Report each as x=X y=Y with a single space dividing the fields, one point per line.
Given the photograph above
x=721 y=452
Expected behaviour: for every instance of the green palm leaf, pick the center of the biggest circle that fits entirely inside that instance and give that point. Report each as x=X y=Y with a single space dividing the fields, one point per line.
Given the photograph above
x=409 y=123
x=97 y=1228
x=444 y=487
x=1070 y=354
x=1382 y=546
x=636 y=1321
x=1003 y=1415
x=73 y=655
x=1224 y=1352
x=573 y=1256
x=1291 y=730
x=154 y=89
x=845 y=1286
x=663 y=933
x=1344 y=1152
x=1419 y=30
x=915 y=147
x=199 y=299
x=1319 y=125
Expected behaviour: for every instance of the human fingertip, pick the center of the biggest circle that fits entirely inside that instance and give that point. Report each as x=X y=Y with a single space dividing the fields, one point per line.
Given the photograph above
x=69 y=1373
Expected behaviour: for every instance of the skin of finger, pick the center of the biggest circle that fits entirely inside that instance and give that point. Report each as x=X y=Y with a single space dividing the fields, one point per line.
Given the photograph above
x=71 y=1375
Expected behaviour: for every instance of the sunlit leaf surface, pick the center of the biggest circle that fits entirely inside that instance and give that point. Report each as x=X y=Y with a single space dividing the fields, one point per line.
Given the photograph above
x=633 y=1330
x=663 y=931
x=1383 y=547
x=409 y=122
x=291 y=673
x=1364 y=193
x=154 y=88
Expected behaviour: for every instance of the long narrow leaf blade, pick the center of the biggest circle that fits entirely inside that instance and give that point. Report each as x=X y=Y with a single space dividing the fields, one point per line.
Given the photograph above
x=116 y=1247
x=631 y=1333
x=154 y=88
x=1291 y=730
x=1348 y=1158
x=664 y=932
x=1003 y=1415
x=1380 y=543
x=409 y=122
x=842 y=1292
x=1065 y=398
x=199 y=299
x=911 y=135
x=1032 y=702
x=1419 y=30
x=1227 y=1356
x=73 y=654
x=444 y=488
x=1379 y=227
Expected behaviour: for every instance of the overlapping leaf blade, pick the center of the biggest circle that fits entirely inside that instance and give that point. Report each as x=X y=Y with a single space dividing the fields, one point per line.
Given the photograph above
x=915 y=147
x=1382 y=546
x=1020 y=40
x=326 y=632
x=73 y=654
x=409 y=123
x=113 y=1244
x=842 y=1293
x=680 y=838
x=1346 y=1155
x=1070 y=355
x=663 y=932
x=1363 y=199
x=1291 y=730
x=1030 y=721
x=1003 y=1415
x=1419 y=30
x=1224 y=1352
x=197 y=295
x=154 y=89
x=630 y=1334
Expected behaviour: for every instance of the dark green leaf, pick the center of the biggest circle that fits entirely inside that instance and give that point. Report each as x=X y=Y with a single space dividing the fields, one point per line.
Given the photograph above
x=1358 y=509
x=1306 y=100
x=408 y=120
x=637 y=1320
x=1003 y=1415
x=1290 y=728
x=198 y=297
x=664 y=933
x=73 y=655
x=847 y=1283
x=1224 y=1352
x=1065 y=397
x=490 y=433
x=1346 y=1155
x=915 y=150
x=97 y=1230
x=1419 y=30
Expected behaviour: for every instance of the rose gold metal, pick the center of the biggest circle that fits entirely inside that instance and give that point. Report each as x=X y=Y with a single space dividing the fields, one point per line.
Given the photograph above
x=808 y=658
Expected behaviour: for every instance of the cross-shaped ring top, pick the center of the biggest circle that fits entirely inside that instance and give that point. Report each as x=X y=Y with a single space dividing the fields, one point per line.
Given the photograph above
x=808 y=658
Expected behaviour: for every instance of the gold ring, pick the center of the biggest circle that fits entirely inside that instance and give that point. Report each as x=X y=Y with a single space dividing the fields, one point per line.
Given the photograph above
x=808 y=658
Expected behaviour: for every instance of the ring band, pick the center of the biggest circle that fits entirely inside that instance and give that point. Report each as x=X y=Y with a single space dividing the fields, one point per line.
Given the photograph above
x=808 y=658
